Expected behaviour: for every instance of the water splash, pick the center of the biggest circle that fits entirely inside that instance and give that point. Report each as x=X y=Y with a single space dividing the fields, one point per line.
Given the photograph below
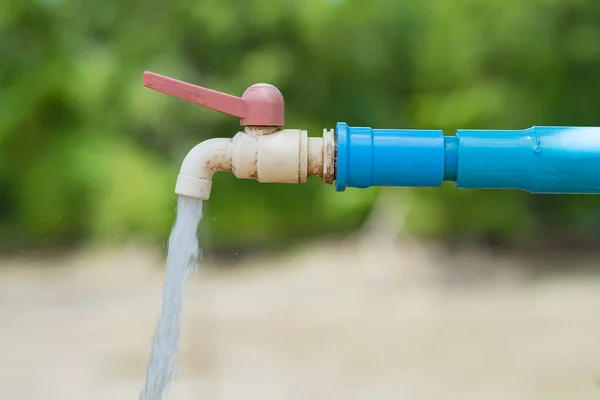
x=181 y=260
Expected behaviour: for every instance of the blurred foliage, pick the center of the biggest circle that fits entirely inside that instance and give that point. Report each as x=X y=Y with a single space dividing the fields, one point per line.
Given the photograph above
x=86 y=152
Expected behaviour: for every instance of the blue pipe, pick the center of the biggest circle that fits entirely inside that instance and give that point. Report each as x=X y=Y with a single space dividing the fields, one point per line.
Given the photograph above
x=537 y=160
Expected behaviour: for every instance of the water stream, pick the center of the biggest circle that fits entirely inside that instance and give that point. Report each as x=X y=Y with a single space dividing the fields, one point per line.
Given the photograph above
x=182 y=259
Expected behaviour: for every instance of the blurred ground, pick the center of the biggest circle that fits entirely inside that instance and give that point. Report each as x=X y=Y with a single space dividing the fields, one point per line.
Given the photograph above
x=350 y=320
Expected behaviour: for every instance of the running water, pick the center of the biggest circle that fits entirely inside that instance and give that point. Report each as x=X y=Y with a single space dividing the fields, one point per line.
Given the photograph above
x=181 y=260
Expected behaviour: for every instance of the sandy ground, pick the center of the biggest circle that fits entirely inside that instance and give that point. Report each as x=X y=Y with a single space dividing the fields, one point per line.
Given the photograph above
x=377 y=323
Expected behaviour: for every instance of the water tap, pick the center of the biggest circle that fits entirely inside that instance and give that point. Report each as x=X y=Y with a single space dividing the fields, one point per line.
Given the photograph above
x=263 y=150
x=537 y=159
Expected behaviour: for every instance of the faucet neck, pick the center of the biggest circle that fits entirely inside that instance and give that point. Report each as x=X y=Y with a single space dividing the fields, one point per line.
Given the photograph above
x=260 y=130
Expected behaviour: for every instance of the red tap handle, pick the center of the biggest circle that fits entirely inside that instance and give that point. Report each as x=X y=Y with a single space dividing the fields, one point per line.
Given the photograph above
x=260 y=105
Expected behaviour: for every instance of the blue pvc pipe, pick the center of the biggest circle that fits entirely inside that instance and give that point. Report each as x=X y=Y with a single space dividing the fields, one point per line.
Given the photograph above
x=538 y=159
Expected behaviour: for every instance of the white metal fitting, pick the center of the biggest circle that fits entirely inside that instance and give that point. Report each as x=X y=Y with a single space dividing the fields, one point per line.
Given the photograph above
x=262 y=153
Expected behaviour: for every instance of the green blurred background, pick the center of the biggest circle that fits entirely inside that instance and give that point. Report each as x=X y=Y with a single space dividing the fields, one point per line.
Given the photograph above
x=88 y=154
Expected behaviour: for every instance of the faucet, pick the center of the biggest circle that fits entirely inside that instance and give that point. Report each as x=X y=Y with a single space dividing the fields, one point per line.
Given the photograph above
x=540 y=159
x=262 y=151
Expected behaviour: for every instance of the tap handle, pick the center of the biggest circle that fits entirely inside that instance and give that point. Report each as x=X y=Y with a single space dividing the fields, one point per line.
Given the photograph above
x=260 y=105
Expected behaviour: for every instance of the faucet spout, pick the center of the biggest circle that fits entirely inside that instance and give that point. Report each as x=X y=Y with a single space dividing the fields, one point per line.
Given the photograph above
x=199 y=166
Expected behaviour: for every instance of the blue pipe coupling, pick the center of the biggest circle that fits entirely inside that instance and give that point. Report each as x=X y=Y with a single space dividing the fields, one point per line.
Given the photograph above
x=537 y=160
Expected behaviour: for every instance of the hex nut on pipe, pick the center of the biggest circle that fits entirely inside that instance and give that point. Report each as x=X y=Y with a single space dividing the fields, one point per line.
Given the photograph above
x=282 y=157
